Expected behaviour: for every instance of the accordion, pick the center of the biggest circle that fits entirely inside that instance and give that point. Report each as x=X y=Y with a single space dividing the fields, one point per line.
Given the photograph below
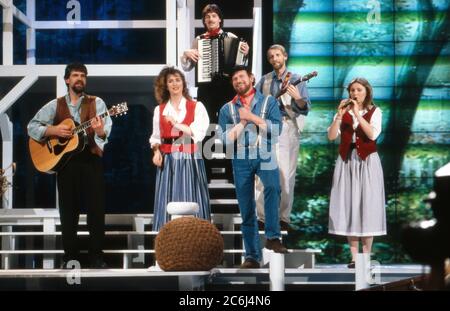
x=218 y=56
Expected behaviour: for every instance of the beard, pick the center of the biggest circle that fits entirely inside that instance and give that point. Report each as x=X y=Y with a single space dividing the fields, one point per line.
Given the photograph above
x=244 y=90
x=277 y=66
x=78 y=88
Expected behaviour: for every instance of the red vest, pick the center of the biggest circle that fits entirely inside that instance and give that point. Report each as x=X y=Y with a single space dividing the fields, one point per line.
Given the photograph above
x=88 y=111
x=168 y=132
x=364 y=145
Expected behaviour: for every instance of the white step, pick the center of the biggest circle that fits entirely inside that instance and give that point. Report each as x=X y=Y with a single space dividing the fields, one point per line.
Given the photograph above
x=225 y=185
x=142 y=251
x=60 y=251
x=224 y=201
x=218 y=170
x=218 y=181
x=112 y=233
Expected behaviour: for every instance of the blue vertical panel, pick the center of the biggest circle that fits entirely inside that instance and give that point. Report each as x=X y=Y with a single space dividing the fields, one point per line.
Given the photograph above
x=402 y=49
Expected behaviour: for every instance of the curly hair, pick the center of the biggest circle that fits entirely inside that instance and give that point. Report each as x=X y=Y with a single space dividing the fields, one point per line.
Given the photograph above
x=368 y=101
x=162 y=94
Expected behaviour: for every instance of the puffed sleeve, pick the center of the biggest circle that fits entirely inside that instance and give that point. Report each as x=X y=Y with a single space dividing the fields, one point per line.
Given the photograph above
x=155 y=138
x=375 y=123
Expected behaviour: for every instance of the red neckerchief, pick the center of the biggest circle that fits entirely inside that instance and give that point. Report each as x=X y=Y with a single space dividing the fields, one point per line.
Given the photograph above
x=242 y=99
x=212 y=34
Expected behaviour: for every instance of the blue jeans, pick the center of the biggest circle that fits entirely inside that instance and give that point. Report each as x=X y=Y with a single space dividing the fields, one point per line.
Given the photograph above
x=244 y=171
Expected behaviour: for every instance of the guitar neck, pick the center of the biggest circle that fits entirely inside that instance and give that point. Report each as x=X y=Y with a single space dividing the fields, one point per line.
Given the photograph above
x=302 y=79
x=296 y=82
x=85 y=125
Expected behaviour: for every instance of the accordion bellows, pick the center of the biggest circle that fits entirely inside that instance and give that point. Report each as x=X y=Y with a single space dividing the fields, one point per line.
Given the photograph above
x=188 y=244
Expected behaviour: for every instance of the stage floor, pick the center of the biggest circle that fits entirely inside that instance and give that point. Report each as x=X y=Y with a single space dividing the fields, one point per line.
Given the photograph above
x=322 y=277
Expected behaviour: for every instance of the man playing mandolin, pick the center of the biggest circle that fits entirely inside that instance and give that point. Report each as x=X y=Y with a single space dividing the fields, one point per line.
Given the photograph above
x=294 y=103
x=80 y=180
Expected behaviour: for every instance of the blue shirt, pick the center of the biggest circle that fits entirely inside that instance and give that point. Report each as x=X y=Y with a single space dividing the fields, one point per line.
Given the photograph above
x=275 y=88
x=248 y=142
x=45 y=116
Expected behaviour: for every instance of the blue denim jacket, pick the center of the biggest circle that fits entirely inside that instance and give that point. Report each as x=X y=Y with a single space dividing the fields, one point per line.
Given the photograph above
x=248 y=145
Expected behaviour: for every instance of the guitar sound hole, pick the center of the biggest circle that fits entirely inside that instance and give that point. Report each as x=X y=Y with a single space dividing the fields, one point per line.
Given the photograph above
x=58 y=149
x=63 y=141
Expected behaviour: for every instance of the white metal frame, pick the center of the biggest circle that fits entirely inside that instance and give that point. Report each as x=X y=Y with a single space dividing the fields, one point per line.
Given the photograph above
x=31 y=72
x=180 y=16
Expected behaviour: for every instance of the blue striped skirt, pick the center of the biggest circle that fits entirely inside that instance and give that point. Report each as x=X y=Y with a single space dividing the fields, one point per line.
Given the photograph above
x=182 y=179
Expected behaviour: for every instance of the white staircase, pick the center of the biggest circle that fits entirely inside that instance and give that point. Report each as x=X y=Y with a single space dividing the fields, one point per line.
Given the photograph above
x=31 y=238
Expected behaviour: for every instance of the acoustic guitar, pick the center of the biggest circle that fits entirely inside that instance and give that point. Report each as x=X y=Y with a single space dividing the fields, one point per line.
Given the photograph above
x=51 y=154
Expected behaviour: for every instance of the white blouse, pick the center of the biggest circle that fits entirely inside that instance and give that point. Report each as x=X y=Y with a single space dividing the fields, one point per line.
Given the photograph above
x=375 y=122
x=198 y=127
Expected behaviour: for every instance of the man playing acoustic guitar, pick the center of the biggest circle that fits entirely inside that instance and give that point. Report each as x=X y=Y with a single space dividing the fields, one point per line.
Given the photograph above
x=80 y=180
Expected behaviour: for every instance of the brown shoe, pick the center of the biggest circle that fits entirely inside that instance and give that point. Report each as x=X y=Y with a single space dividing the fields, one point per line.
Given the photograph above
x=250 y=263
x=276 y=246
x=284 y=226
x=261 y=225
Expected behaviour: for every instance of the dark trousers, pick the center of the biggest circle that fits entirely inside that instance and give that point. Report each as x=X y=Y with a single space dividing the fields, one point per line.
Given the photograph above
x=214 y=95
x=81 y=184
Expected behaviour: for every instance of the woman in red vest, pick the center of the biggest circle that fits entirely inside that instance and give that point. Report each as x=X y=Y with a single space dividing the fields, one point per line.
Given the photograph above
x=179 y=123
x=357 y=201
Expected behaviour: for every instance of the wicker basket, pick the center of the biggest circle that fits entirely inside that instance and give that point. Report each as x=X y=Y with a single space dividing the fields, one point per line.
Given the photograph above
x=188 y=244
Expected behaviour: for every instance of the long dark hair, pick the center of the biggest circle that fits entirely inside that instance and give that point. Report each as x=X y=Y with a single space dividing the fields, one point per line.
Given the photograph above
x=368 y=101
x=162 y=94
